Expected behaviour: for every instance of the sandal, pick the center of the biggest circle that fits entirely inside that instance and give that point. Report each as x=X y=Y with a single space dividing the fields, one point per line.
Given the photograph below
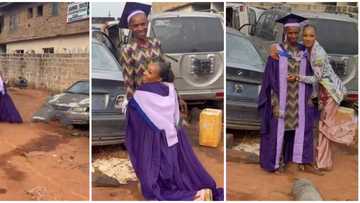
x=310 y=169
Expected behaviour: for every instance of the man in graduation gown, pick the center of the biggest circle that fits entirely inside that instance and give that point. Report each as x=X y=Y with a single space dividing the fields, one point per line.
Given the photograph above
x=285 y=104
x=140 y=50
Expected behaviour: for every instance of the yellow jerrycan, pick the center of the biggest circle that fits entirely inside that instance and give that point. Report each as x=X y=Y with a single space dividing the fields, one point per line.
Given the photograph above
x=210 y=127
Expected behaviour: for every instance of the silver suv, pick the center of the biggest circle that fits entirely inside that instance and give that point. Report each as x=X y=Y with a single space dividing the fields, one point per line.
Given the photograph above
x=193 y=43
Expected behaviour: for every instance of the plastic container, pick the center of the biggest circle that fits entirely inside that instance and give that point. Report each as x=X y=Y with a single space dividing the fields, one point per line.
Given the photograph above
x=210 y=127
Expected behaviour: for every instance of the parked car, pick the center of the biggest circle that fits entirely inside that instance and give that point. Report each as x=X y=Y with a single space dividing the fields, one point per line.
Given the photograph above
x=107 y=96
x=337 y=33
x=70 y=107
x=193 y=42
x=244 y=71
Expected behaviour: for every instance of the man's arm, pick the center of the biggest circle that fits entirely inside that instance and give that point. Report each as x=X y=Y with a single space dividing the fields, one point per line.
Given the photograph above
x=128 y=73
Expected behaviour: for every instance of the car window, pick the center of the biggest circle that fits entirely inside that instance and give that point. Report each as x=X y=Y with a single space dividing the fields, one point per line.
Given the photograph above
x=188 y=34
x=252 y=15
x=269 y=27
x=79 y=88
x=259 y=25
x=240 y=50
x=102 y=59
x=236 y=19
x=337 y=37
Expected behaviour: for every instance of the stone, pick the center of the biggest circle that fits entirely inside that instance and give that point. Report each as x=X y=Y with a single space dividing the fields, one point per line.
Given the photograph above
x=304 y=190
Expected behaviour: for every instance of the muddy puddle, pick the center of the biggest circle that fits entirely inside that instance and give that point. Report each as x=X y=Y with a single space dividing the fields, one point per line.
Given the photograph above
x=45 y=143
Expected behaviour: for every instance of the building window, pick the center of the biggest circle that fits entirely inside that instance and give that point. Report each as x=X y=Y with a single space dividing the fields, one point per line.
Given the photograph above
x=40 y=10
x=30 y=13
x=12 y=24
x=49 y=50
x=19 y=51
x=55 y=9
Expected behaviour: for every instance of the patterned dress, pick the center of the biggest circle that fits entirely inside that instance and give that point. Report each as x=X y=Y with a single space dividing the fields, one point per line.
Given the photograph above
x=331 y=92
x=291 y=114
x=324 y=74
x=134 y=60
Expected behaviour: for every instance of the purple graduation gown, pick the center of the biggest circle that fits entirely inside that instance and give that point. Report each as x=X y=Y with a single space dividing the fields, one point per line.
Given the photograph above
x=8 y=111
x=297 y=148
x=165 y=173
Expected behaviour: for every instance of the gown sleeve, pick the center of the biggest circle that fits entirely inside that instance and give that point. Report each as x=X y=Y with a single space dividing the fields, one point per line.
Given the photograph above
x=264 y=100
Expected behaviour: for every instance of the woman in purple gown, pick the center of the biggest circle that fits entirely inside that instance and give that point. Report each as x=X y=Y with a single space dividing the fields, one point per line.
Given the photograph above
x=159 y=150
x=8 y=111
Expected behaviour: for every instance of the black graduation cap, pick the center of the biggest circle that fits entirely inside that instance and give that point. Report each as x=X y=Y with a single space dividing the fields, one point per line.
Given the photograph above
x=130 y=9
x=291 y=20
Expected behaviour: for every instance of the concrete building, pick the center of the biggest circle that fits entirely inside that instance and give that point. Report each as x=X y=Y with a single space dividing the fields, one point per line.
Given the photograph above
x=44 y=27
x=350 y=8
x=189 y=7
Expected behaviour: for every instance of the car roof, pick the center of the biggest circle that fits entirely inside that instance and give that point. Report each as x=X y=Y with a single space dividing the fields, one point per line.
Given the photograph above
x=96 y=41
x=329 y=16
x=82 y=80
x=236 y=32
x=185 y=14
x=319 y=15
x=234 y=4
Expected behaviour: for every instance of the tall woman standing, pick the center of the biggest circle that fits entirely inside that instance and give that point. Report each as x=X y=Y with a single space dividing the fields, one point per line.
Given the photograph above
x=331 y=93
x=8 y=111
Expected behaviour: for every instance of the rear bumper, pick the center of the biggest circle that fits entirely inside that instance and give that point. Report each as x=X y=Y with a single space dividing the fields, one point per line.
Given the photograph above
x=193 y=95
x=76 y=118
x=108 y=129
x=242 y=115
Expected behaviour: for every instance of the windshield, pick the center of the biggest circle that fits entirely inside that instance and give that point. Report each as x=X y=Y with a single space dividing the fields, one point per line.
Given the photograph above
x=239 y=50
x=337 y=37
x=189 y=34
x=79 y=88
x=102 y=59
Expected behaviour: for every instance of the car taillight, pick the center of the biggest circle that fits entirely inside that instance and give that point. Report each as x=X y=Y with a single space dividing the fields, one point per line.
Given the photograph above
x=352 y=97
x=219 y=94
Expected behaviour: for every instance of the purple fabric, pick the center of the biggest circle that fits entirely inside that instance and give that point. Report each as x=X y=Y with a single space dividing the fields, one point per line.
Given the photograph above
x=8 y=111
x=156 y=87
x=2 y=86
x=152 y=103
x=269 y=124
x=298 y=142
x=283 y=73
x=165 y=173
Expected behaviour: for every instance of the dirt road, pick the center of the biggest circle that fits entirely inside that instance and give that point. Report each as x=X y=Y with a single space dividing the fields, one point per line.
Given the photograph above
x=41 y=161
x=211 y=158
x=249 y=182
